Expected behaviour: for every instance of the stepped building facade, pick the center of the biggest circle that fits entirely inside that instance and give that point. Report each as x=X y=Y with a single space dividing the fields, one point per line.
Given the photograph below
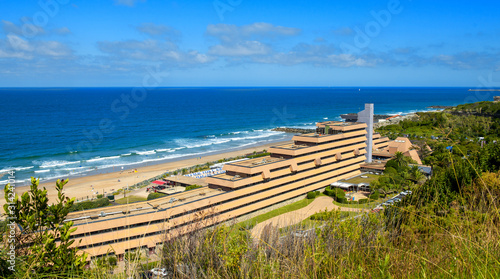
x=310 y=162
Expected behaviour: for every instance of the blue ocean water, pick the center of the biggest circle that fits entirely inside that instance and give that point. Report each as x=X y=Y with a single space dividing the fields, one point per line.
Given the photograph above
x=60 y=132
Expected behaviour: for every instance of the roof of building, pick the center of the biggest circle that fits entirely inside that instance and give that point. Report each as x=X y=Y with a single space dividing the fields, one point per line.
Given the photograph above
x=414 y=155
x=393 y=117
x=186 y=180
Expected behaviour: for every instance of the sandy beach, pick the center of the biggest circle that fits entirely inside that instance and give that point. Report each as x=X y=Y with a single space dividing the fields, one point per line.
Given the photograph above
x=81 y=187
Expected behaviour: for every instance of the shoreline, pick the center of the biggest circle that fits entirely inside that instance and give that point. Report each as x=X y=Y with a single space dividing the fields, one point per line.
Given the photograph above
x=81 y=187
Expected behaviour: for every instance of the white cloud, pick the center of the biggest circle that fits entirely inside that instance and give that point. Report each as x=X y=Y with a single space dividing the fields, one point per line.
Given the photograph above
x=232 y=33
x=157 y=30
x=246 y=48
x=153 y=51
x=27 y=27
x=16 y=47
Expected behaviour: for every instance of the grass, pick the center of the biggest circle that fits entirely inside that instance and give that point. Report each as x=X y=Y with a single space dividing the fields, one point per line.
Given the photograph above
x=363 y=205
x=358 y=179
x=130 y=199
x=282 y=210
x=309 y=224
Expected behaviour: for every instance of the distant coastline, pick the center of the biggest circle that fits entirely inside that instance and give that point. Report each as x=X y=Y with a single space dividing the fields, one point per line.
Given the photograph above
x=484 y=89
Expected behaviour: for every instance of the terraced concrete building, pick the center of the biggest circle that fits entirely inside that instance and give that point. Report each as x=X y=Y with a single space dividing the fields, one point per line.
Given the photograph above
x=310 y=162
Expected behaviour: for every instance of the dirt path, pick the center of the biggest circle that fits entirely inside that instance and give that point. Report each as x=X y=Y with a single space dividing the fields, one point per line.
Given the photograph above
x=294 y=217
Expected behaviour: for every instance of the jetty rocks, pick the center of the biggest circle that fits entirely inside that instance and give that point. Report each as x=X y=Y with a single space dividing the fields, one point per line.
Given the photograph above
x=294 y=130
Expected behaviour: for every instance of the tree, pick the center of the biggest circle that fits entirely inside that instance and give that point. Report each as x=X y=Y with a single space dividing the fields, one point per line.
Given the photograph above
x=416 y=175
x=43 y=244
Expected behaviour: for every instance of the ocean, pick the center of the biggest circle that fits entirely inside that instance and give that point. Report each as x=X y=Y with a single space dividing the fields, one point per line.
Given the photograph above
x=54 y=133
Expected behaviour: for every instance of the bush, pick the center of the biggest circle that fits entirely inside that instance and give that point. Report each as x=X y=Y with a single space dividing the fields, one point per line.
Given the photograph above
x=191 y=187
x=317 y=193
x=341 y=200
x=361 y=201
x=329 y=192
x=153 y=195
x=375 y=196
x=112 y=261
x=100 y=196
x=311 y=195
x=102 y=202
x=339 y=193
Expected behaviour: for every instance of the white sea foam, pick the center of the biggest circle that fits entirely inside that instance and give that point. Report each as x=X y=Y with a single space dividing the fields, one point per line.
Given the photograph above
x=40 y=171
x=126 y=154
x=55 y=163
x=15 y=169
x=72 y=169
x=150 y=152
x=102 y=158
x=16 y=181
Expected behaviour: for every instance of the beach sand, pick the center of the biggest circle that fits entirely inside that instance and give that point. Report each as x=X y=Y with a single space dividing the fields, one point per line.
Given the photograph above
x=81 y=187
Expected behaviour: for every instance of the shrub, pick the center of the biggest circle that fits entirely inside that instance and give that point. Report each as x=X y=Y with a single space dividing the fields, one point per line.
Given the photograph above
x=339 y=193
x=112 y=261
x=317 y=193
x=329 y=192
x=43 y=241
x=311 y=195
x=102 y=202
x=100 y=196
x=153 y=195
x=375 y=196
x=361 y=201
x=341 y=200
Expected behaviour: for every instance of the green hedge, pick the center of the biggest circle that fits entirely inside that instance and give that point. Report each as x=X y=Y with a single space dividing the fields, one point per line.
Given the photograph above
x=102 y=202
x=329 y=192
x=311 y=195
x=341 y=200
x=339 y=193
x=375 y=196
x=191 y=187
x=361 y=201
x=154 y=195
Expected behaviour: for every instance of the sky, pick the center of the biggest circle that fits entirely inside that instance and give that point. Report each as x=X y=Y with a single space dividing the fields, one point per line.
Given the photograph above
x=150 y=43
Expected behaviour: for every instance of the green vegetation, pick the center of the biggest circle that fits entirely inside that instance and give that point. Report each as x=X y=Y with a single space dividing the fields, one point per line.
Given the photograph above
x=248 y=224
x=327 y=215
x=257 y=155
x=356 y=204
x=156 y=195
x=398 y=175
x=481 y=108
x=358 y=179
x=191 y=187
x=42 y=246
x=101 y=202
x=130 y=199
x=313 y=195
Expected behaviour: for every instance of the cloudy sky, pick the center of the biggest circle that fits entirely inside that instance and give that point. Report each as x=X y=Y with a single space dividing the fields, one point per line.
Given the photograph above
x=248 y=43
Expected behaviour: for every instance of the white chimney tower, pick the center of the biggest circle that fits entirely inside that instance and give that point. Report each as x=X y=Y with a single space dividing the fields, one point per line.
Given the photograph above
x=366 y=116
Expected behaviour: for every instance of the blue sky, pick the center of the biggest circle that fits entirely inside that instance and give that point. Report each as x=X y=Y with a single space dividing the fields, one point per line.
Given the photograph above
x=249 y=43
